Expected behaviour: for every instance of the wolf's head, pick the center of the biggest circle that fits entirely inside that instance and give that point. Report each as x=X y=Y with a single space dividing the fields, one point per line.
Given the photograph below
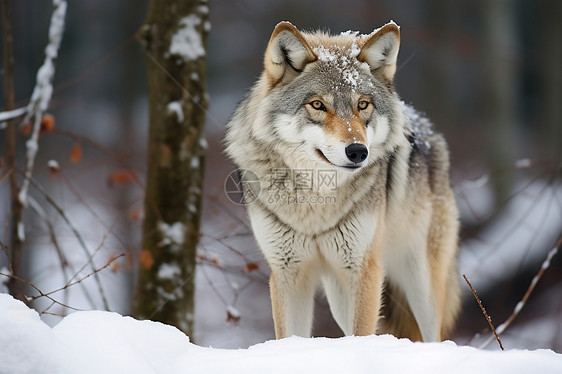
x=327 y=101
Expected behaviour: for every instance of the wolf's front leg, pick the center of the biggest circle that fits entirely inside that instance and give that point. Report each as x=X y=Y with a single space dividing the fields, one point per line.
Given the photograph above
x=292 y=302
x=368 y=299
x=354 y=294
x=293 y=262
x=354 y=300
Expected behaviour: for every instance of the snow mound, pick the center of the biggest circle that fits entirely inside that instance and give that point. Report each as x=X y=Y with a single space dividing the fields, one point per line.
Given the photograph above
x=104 y=342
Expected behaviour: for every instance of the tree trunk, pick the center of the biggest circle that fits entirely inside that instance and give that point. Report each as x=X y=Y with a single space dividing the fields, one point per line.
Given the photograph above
x=498 y=90
x=16 y=209
x=550 y=77
x=174 y=38
x=438 y=98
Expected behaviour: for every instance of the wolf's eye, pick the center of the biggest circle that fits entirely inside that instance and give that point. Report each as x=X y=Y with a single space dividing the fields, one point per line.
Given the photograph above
x=363 y=104
x=318 y=105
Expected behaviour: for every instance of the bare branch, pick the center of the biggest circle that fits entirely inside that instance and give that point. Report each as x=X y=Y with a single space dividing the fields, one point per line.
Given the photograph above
x=8 y=115
x=41 y=294
x=64 y=263
x=80 y=280
x=545 y=265
x=40 y=99
x=78 y=236
x=67 y=285
x=483 y=311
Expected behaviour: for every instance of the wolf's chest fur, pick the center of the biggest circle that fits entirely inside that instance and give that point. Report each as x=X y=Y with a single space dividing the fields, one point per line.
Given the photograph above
x=312 y=202
x=341 y=246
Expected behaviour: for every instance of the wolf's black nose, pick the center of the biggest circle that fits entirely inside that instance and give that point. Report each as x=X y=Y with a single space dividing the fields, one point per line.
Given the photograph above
x=356 y=153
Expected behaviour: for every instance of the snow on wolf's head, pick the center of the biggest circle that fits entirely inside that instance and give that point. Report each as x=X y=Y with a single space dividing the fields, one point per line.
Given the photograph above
x=328 y=100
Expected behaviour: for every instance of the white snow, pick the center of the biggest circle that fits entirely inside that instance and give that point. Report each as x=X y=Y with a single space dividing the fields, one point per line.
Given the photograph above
x=21 y=231
x=523 y=163
x=53 y=164
x=233 y=312
x=11 y=114
x=104 y=342
x=203 y=143
x=324 y=54
x=344 y=59
x=186 y=42
x=517 y=309
x=174 y=107
x=421 y=126
x=168 y=271
x=195 y=162
x=172 y=233
x=546 y=264
x=350 y=33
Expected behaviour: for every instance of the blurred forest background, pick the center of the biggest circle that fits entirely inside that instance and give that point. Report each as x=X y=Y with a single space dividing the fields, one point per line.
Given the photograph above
x=488 y=73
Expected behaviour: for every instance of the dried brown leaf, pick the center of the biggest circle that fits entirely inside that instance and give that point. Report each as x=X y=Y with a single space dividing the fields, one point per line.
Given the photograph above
x=76 y=153
x=146 y=259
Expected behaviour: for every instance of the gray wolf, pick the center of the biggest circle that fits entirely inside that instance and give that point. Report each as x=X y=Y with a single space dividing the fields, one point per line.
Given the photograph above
x=379 y=230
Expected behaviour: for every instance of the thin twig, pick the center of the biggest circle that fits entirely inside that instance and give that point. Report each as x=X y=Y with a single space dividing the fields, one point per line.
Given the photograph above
x=78 y=236
x=483 y=311
x=70 y=284
x=545 y=265
x=67 y=285
x=41 y=294
x=64 y=262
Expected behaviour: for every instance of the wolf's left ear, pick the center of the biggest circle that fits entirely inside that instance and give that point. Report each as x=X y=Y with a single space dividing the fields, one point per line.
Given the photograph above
x=287 y=53
x=381 y=50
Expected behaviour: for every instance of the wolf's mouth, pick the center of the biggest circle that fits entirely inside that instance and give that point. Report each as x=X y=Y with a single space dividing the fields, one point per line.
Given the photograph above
x=323 y=157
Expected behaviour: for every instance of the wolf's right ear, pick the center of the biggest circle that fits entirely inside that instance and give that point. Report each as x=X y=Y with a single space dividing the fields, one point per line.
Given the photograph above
x=287 y=53
x=380 y=51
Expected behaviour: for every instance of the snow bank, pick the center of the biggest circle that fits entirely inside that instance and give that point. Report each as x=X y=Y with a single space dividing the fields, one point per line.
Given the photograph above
x=103 y=342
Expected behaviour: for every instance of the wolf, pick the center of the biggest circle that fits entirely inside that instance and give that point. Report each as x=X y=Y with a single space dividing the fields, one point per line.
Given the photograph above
x=379 y=230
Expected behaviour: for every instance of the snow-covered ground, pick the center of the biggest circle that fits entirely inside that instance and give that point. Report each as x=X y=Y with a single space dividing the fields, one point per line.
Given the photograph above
x=104 y=342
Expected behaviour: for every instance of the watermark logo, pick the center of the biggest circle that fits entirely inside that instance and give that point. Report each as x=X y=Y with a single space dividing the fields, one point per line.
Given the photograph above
x=301 y=180
x=242 y=187
x=282 y=186
x=327 y=179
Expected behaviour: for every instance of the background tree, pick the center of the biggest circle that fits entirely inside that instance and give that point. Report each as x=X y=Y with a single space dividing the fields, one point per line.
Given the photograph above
x=16 y=207
x=548 y=64
x=498 y=93
x=174 y=37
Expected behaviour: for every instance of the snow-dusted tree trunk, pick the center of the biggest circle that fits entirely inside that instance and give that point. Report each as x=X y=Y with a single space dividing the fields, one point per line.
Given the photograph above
x=174 y=38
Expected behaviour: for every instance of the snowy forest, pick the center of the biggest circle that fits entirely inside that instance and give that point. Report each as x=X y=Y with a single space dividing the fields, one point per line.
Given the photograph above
x=84 y=196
